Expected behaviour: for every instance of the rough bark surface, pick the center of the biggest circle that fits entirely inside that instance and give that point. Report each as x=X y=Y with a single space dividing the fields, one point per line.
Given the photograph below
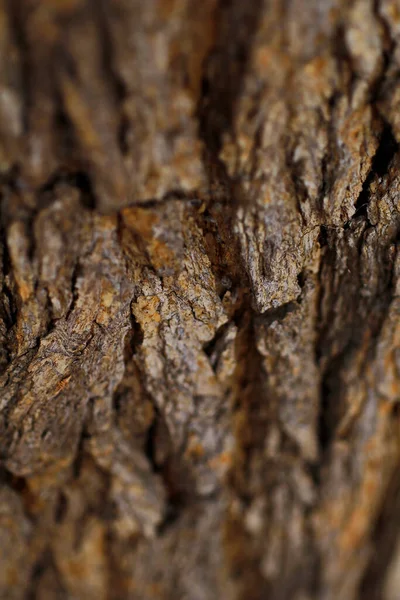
x=199 y=318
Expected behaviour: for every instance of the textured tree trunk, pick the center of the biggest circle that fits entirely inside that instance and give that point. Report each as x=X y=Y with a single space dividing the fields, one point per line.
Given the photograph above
x=199 y=318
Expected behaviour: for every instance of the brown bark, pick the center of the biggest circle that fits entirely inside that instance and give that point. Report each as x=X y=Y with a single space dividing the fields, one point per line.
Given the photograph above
x=199 y=319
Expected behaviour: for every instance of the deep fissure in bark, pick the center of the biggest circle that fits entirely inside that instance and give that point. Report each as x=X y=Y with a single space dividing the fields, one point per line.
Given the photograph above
x=387 y=149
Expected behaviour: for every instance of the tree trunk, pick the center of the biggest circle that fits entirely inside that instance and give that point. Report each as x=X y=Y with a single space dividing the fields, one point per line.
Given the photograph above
x=199 y=319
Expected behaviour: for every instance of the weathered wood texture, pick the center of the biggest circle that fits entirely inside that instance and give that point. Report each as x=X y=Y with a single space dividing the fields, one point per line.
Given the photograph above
x=199 y=318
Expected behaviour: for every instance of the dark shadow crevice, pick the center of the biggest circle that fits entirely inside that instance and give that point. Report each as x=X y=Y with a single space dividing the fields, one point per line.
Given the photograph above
x=381 y=162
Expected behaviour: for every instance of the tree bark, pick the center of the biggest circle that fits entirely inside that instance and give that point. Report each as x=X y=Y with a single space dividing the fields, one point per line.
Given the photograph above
x=199 y=319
